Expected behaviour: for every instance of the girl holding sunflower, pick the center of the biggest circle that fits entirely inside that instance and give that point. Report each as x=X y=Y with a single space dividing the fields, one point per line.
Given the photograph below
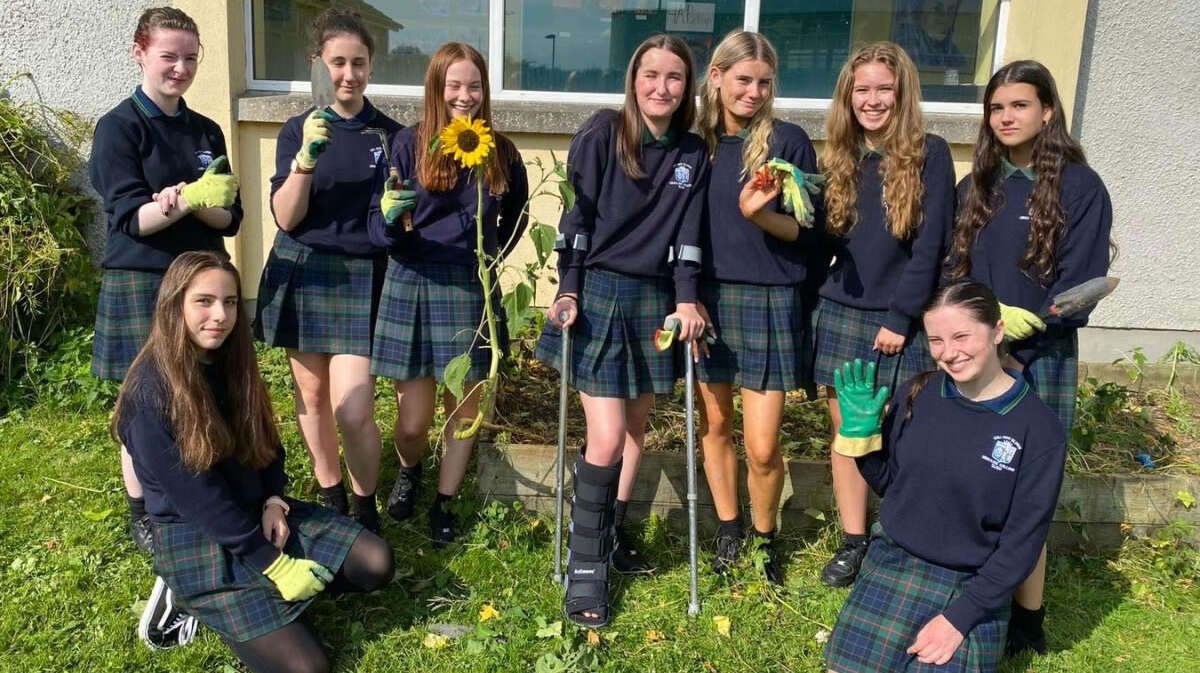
x=754 y=273
x=432 y=299
x=320 y=286
x=889 y=206
x=640 y=180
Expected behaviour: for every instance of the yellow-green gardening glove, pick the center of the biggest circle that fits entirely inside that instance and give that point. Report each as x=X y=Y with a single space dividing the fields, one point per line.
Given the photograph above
x=1020 y=323
x=395 y=202
x=315 y=138
x=796 y=187
x=215 y=188
x=861 y=405
x=297 y=578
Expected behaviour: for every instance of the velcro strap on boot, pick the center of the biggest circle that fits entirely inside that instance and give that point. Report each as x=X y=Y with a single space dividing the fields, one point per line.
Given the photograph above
x=593 y=519
x=587 y=571
x=590 y=543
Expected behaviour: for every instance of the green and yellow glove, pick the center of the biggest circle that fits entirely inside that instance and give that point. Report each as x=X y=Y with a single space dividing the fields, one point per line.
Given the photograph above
x=216 y=188
x=297 y=579
x=396 y=202
x=1019 y=323
x=796 y=187
x=316 y=137
x=862 y=410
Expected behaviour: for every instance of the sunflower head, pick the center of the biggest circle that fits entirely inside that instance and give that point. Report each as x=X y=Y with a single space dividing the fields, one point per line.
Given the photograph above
x=468 y=140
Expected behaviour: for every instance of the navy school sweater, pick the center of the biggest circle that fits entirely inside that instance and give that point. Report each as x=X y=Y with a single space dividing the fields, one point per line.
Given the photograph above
x=444 y=222
x=1082 y=254
x=138 y=150
x=643 y=227
x=737 y=250
x=970 y=486
x=224 y=502
x=345 y=180
x=873 y=270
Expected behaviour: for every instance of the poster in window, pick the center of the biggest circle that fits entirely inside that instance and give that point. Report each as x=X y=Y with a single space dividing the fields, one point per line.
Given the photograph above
x=934 y=32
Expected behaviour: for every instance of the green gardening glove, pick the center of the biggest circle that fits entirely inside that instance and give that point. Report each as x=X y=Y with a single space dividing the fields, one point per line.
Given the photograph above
x=1020 y=323
x=316 y=137
x=796 y=187
x=297 y=578
x=215 y=188
x=395 y=202
x=861 y=406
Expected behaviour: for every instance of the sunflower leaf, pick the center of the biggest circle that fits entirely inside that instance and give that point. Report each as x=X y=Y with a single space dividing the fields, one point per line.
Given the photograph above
x=456 y=374
x=567 y=192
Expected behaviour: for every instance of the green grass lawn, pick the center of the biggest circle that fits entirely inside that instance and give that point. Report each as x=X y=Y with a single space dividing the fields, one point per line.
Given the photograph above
x=71 y=583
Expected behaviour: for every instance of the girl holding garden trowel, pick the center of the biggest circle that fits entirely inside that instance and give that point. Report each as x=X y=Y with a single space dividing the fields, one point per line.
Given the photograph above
x=889 y=203
x=160 y=169
x=628 y=255
x=320 y=286
x=433 y=300
x=755 y=273
x=1033 y=220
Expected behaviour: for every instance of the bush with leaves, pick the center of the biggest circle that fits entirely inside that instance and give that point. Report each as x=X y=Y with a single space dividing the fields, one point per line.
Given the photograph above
x=47 y=281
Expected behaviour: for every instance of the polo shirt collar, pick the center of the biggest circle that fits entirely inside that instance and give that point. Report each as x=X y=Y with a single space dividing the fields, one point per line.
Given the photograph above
x=151 y=109
x=667 y=140
x=1007 y=169
x=1002 y=404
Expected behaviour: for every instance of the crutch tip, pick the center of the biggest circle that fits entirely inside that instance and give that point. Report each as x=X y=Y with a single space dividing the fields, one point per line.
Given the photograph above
x=693 y=609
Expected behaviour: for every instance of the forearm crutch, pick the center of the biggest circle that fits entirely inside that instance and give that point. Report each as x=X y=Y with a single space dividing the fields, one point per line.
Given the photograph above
x=559 y=467
x=690 y=402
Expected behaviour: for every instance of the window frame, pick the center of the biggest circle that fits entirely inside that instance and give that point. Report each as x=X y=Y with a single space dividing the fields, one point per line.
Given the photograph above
x=751 y=11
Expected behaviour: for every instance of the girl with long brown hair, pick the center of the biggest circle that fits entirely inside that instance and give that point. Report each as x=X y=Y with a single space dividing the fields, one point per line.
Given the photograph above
x=629 y=256
x=320 y=286
x=1034 y=220
x=754 y=273
x=197 y=420
x=433 y=303
x=969 y=463
x=162 y=174
x=889 y=199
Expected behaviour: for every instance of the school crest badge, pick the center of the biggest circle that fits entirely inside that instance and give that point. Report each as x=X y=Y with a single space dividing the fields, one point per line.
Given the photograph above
x=681 y=176
x=203 y=159
x=1004 y=450
x=376 y=152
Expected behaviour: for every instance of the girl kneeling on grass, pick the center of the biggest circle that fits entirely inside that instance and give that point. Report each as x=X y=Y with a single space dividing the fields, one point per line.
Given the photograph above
x=195 y=415
x=968 y=462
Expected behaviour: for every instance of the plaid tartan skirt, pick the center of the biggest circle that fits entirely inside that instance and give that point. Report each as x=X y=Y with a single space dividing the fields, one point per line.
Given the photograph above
x=842 y=333
x=123 y=317
x=612 y=340
x=895 y=595
x=233 y=598
x=1054 y=374
x=316 y=301
x=760 y=336
x=428 y=314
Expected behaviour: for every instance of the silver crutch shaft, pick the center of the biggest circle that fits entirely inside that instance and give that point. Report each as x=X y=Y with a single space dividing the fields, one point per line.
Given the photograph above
x=559 y=467
x=690 y=400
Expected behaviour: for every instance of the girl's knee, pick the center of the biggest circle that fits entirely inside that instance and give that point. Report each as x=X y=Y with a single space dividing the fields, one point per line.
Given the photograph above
x=377 y=562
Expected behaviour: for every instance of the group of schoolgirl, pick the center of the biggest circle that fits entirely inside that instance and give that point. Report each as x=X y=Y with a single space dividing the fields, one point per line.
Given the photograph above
x=373 y=274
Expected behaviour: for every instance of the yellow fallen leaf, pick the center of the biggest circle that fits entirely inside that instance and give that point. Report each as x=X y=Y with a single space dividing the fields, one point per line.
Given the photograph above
x=722 y=624
x=593 y=637
x=535 y=524
x=654 y=636
x=488 y=612
x=434 y=641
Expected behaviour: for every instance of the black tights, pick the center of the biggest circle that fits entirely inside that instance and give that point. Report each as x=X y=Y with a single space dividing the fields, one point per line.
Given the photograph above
x=295 y=648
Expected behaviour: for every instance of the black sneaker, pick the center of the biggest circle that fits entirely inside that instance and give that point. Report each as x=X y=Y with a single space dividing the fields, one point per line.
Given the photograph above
x=729 y=547
x=163 y=624
x=1025 y=631
x=368 y=518
x=626 y=558
x=142 y=533
x=404 y=493
x=441 y=527
x=841 y=570
x=772 y=567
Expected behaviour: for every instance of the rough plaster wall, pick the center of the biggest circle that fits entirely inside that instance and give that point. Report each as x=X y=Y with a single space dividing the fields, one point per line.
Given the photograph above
x=78 y=52
x=1138 y=123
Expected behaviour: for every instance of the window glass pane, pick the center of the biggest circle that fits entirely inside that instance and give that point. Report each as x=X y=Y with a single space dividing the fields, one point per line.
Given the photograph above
x=585 y=45
x=406 y=33
x=951 y=41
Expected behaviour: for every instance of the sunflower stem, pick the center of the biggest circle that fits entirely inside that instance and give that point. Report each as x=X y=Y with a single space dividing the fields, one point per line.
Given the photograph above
x=489 y=313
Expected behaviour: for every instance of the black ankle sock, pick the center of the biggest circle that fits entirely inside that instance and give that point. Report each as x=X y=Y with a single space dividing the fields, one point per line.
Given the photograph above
x=619 y=513
x=854 y=538
x=768 y=536
x=730 y=528
x=1023 y=617
x=412 y=472
x=137 y=506
x=365 y=511
x=439 y=503
x=336 y=496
